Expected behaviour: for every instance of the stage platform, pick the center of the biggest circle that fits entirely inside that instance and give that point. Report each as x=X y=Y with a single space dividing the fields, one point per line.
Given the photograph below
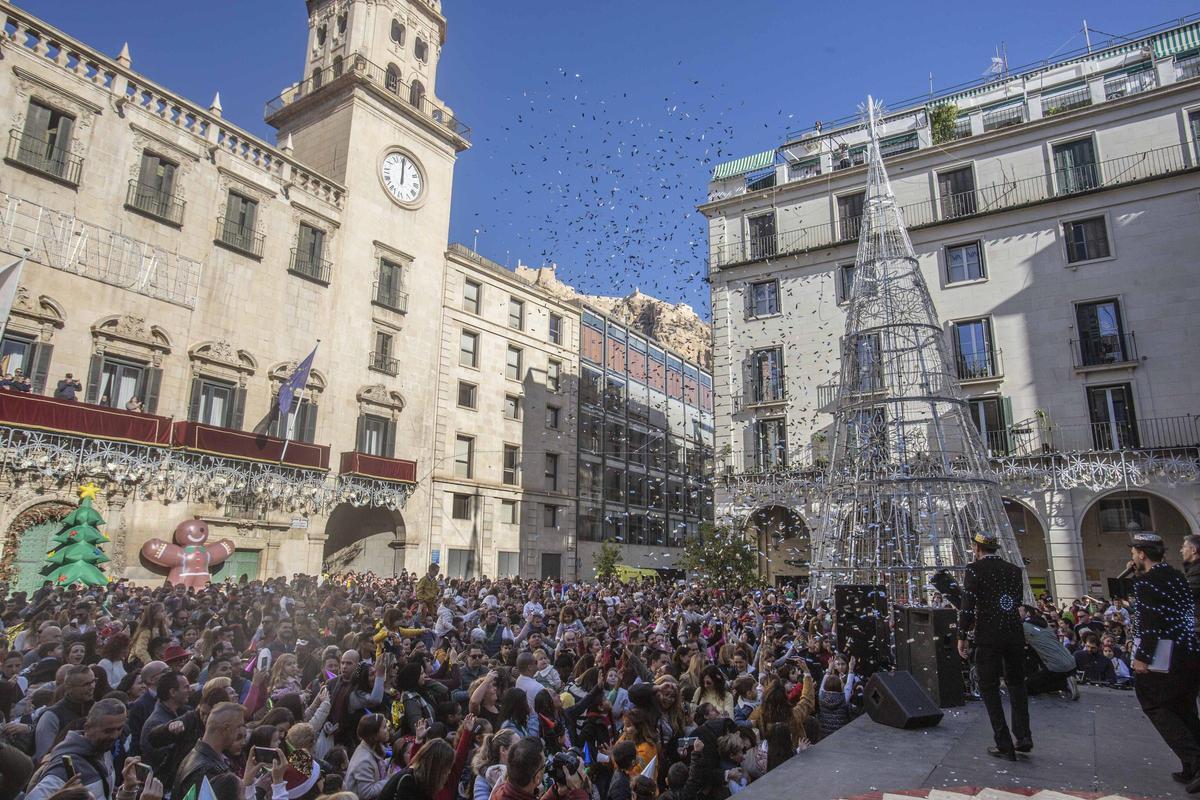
x=1102 y=745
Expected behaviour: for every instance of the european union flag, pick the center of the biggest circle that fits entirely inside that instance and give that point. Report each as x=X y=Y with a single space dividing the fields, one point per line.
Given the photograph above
x=295 y=383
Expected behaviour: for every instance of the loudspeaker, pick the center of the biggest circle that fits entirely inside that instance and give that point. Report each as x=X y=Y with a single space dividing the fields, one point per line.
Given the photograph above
x=895 y=699
x=862 y=625
x=927 y=646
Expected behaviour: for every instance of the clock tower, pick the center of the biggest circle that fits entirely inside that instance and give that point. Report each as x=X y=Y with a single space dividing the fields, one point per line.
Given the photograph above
x=366 y=113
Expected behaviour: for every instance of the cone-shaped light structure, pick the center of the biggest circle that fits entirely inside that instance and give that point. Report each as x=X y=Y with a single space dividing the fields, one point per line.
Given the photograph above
x=909 y=483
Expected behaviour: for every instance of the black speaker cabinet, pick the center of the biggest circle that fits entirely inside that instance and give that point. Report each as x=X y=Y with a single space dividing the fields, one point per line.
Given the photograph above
x=927 y=646
x=862 y=625
x=895 y=699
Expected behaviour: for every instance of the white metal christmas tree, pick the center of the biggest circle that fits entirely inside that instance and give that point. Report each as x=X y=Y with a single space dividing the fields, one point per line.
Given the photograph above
x=909 y=482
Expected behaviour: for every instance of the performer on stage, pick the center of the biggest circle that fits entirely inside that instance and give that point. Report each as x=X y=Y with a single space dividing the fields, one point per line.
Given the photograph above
x=992 y=591
x=1166 y=656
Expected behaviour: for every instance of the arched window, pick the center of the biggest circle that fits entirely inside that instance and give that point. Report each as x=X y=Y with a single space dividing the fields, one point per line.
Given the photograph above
x=392 y=80
x=397 y=32
x=316 y=78
x=337 y=66
x=416 y=93
x=341 y=22
x=321 y=36
x=421 y=50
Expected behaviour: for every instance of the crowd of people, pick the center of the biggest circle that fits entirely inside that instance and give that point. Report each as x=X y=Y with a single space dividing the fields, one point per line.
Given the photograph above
x=390 y=688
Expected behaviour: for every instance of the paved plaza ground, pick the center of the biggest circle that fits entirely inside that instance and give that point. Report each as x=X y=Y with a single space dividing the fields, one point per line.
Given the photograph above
x=1102 y=744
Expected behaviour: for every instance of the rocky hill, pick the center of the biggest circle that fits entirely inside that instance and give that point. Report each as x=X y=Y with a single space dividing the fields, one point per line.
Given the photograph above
x=675 y=325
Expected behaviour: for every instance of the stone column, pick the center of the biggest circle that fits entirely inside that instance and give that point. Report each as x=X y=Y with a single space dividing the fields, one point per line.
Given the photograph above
x=1064 y=548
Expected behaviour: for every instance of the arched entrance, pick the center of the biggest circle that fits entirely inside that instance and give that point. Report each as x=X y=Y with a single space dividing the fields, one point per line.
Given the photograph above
x=1031 y=541
x=1106 y=528
x=361 y=539
x=28 y=541
x=784 y=545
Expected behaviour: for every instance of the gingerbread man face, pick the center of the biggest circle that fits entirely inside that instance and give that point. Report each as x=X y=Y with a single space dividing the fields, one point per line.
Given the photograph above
x=191 y=533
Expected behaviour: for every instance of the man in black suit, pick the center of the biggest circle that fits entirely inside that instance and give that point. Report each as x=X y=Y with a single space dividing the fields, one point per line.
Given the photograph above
x=992 y=591
x=1166 y=656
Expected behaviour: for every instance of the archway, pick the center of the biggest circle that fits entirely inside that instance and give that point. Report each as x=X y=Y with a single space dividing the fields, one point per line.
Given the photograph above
x=27 y=541
x=364 y=539
x=784 y=544
x=1105 y=531
x=1031 y=541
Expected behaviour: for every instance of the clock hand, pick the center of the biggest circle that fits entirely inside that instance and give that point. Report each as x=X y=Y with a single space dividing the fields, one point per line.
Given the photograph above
x=403 y=167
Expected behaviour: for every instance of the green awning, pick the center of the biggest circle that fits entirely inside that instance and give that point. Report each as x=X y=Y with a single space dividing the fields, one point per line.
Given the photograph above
x=1179 y=40
x=743 y=165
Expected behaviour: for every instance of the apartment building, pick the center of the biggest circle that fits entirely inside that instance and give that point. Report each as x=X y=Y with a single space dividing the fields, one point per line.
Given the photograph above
x=1054 y=211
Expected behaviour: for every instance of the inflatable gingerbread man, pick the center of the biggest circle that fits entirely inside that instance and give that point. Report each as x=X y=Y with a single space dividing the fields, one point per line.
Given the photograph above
x=189 y=559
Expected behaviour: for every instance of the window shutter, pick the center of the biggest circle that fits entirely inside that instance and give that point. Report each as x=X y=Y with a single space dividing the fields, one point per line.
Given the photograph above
x=250 y=209
x=166 y=182
x=275 y=424
x=93 y=381
x=309 y=418
x=360 y=435
x=148 y=176
x=389 y=439
x=194 y=401
x=748 y=298
x=318 y=245
x=62 y=138
x=40 y=359
x=153 y=378
x=238 y=412
x=37 y=122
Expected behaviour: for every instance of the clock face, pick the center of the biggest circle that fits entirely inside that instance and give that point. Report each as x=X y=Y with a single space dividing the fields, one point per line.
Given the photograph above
x=402 y=177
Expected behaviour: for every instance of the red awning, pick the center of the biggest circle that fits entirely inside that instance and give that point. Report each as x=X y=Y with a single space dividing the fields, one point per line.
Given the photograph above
x=35 y=412
x=246 y=445
x=379 y=468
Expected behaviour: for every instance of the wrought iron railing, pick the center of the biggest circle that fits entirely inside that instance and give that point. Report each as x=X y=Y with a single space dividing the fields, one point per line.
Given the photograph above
x=363 y=69
x=49 y=158
x=240 y=238
x=316 y=269
x=770 y=460
x=962 y=128
x=997 y=196
x=383 y=362
x=768 y=391
x=978 y=364
x=390 y=297
x=1102 y=349
x=1005 y=117
x=155 y=202
x=1134 y=83
x=1187 y=67
x=1066 y=101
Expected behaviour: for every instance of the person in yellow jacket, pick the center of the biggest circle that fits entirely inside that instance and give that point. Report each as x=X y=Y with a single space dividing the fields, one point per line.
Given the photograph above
x=428 y=589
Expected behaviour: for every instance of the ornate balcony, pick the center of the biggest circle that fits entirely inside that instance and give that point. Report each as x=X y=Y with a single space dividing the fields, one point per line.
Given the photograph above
x=246 y=241
x=385 y=469
x=154 y=202
x=230 y=443
x=35 y=412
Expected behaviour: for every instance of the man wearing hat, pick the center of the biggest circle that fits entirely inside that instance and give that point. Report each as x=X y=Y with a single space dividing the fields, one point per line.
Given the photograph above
x=1166 y=658
x=992 y=589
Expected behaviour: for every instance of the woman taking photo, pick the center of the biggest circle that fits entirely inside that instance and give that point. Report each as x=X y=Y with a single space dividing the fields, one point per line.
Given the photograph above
x=370 y=766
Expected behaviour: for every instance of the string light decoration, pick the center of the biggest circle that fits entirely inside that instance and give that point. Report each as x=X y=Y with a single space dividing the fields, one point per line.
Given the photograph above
x=909 y=482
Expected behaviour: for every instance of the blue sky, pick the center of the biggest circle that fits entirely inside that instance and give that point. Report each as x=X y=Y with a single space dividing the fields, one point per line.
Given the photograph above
x=596 y=123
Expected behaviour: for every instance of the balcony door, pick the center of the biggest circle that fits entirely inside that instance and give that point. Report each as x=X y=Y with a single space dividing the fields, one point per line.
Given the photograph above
x=762 y=236
x=973 y=349
x=1101 y=333
x=767 y=375
x=956 y=189
x=770 y=444
x=992 y=418
x=120 y=382
x=1075 y=168
x=216 y=404
x=1114 y=425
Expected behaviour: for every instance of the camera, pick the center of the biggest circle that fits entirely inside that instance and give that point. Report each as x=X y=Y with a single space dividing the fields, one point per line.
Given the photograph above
x=559 y=765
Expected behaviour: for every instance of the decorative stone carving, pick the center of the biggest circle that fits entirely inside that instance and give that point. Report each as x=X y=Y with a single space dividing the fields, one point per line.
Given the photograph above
x=30 y=85
x=221 y=353
x=380 y=395
x=129 y=334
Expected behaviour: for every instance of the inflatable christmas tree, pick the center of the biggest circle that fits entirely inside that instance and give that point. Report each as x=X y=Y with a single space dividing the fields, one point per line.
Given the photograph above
x=77 y=552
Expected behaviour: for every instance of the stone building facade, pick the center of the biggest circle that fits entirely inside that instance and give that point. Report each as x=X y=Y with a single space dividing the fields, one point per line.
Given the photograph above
x=1054 y=213
x=175 y=259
